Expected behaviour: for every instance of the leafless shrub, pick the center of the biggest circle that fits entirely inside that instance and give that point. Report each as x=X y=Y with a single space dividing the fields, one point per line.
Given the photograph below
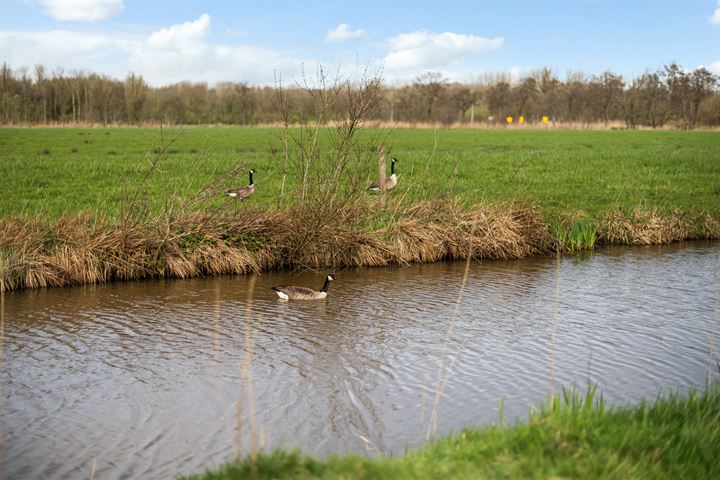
x=332 y=177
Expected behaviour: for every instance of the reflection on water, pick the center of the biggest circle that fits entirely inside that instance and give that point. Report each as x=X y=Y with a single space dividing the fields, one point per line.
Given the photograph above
x=155 y=379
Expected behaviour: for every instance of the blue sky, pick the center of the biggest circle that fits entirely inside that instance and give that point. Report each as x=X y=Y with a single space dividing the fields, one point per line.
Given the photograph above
x=241 y=41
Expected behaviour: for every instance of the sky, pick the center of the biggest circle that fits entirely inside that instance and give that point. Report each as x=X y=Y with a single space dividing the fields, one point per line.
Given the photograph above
x=259 y=42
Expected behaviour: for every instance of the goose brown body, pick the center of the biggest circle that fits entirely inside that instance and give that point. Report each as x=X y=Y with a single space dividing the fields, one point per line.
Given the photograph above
x=243 y=192
x=390 y=182
x=303 y=293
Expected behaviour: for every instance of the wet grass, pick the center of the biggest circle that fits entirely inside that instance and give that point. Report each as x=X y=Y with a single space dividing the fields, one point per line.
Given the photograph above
x=582 y=174
x=575 y=238
x=569 y=436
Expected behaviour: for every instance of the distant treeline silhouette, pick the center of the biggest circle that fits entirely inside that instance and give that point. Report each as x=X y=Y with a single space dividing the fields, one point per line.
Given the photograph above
x=667 y=97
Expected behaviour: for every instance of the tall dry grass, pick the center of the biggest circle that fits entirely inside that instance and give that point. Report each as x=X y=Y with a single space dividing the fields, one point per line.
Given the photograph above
x=443 y=230
x=644 y=227
x=84 y=249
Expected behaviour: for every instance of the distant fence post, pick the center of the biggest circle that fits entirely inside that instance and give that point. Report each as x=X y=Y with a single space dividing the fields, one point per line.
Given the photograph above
x=381 y=174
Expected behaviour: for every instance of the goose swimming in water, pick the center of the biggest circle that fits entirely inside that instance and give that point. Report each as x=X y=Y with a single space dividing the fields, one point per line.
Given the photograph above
x=304 y=293
x=243 y=192
x=390 y=182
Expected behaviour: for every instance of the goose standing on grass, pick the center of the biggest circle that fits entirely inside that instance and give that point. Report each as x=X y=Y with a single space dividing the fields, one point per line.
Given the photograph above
x=304 y=293
x=243 y=192
x=390 y=182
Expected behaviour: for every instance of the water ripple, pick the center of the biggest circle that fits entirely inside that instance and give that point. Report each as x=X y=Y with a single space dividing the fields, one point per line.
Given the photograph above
x=156 y=379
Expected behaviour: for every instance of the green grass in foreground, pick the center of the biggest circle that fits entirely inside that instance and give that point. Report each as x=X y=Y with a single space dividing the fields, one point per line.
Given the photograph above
x=677 y=436
x=49 y=172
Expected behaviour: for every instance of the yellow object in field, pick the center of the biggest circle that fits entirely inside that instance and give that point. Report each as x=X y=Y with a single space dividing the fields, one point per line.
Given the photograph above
x=521 y=120
x=545 y=119
x=508 y=119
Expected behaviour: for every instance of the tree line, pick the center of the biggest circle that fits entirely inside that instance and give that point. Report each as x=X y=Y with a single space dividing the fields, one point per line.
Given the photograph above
x=669 y=96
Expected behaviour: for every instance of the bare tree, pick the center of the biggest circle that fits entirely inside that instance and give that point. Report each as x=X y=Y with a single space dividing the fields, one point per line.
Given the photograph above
x=462 y=99
x=135 y=95
x=687 y=91
x=606 y=91
x=652 y=99
x=525 y=93
x=430 y=88
x=648 y=100
x=498 y=99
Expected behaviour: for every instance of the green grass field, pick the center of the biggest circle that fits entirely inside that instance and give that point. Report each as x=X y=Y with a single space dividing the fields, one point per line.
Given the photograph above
x=49 y=172
x=572 y=436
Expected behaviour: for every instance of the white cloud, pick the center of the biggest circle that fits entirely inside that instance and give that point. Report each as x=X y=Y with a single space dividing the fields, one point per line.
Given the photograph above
x=424 y=49
x=515 y=73
x=342 y=33
x=68 y=50
x=186 y=52
x=82 y=10
x=205 y=63
x=715 y=18
x=180 y=53
x=235 y=33
x=173 y=54
x=714 y=67
x=181 y=36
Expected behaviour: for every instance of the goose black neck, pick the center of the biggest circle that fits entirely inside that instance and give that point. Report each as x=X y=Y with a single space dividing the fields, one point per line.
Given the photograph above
x=392 y=167
x=251 y=180
x=326 y=285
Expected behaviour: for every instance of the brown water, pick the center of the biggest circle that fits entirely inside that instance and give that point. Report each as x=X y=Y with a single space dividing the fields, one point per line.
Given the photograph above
x=159 y=378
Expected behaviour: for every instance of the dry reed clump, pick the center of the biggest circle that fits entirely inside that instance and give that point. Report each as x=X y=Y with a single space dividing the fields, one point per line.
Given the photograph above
x=202 y=244
x=82 y=249
x=428 y=232
x=508 y=232
x=413 y=241
x=22 y=263
x=644 y=227
x=708 y=227
x=435 y=231
x=318 y=238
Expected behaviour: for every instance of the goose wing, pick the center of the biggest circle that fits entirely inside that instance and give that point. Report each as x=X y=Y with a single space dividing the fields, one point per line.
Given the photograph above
x=292 y=290
x=390 y=183
x=242 y=192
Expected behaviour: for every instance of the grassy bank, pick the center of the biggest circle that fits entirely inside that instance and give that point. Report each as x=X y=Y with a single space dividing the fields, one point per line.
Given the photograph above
x=48 y=173
x=95 y=205
x=571 y=436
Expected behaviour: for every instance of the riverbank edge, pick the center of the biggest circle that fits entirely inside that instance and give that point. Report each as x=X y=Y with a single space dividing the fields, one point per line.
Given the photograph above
x=84 y=249
x=569 y=436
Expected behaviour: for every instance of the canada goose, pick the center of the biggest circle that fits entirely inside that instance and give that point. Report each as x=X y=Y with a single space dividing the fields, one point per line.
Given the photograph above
x=304 y=293
x=243 y=192
x=390 y=182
